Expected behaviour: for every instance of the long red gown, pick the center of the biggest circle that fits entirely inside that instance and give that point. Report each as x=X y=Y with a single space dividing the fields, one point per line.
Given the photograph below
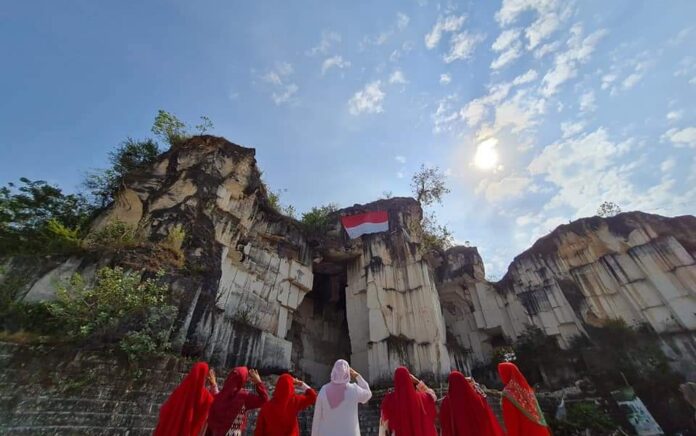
x=464 y=412
x=521 y=411
x=278 y=417
x=407 y=411
x=185 y=411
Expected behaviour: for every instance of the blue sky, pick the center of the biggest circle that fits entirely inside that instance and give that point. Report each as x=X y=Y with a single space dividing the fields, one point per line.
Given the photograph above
x=538 y=110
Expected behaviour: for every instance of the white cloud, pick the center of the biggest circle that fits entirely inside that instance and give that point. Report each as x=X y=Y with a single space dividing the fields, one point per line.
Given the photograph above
x=549 y=15
x=608 y=80
x=367 y=100
x=527 y=77
x=517 y=111
x=397 y=77
x=587 y=102
x=681 y=36
x=401 y=23
x=284 y=95
x=400 y=159
x=546 y=49
x=334 y=61
x=405 y=48
x=566 y=63
x=506 y=39
x=585 y=170
x=279 y=79
x=508 y=187
x=474 y=112
x=571 y=129
x=444 y=116
x=631 y=81
x=327 y=40
x=462 y=46
x=541 y=29
x=445 y=79
x=507 y=56
x=674 y=115
x=682 y=137
x=668 y=164
x=402 y=20
x=451 y=23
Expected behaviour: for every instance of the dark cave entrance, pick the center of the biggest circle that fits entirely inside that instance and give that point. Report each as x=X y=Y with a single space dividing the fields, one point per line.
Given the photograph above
x=319 y=330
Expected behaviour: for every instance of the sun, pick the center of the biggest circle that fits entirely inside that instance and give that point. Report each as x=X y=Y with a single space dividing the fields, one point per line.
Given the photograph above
x=486 y=157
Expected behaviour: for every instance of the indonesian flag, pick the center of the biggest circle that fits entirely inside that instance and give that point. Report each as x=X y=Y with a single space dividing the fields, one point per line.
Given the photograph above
x=366 y=223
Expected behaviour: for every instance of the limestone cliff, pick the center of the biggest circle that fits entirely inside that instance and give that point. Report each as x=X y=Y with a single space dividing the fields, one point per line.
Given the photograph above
x=635 y=266
x=261 y=289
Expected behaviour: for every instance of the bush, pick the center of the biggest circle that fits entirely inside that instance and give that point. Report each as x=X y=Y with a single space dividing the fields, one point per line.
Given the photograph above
x=119 y=308
x=435 y=236
x=38 y=218
x=115 y=235
x=62 y=239
x=129 y=156
x=316 y=221
x=583 y=416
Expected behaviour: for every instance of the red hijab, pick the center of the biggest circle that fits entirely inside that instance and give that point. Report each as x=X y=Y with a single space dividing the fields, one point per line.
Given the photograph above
x=521 y=411
x=278 y=417
x=464 y=412
x=228 y=403
x=408 y=412
x=185 y=411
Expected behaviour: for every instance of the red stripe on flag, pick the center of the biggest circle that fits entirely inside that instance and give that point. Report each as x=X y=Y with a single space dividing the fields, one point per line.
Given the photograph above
x=379 y=216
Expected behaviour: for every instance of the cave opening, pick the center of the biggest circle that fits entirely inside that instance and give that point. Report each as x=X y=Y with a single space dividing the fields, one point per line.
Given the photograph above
x=319 y=329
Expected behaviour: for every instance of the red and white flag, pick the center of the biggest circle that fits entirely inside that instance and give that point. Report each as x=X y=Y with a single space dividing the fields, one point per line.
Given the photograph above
x=366 y=223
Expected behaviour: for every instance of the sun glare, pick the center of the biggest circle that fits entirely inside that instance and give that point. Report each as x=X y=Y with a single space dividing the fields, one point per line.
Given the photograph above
x=486 y=157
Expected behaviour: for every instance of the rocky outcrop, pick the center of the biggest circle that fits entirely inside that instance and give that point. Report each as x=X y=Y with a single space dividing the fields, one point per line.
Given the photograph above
x=261 y=289
x=248 y=271
x=635 y=267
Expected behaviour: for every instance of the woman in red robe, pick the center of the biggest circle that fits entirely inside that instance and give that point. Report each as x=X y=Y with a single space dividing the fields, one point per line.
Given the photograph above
x=185 y=411
x=521 y=411
x=278 y=417
x=465 y=412
x=409 y=410
x=228 y=412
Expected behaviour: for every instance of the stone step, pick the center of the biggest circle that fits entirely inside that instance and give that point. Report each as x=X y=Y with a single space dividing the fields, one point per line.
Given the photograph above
x=74 y=418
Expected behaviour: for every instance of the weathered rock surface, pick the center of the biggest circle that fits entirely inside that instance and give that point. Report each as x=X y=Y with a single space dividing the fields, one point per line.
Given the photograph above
x=259 y=289
x=636 y=267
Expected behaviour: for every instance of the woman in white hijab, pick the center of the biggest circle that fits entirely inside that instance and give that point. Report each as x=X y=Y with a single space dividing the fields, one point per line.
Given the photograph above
x=336 y=410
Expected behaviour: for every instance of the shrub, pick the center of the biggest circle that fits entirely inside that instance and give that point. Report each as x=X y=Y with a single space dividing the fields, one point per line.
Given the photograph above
x=62 y=239
x=316 y=221
x=36 y=218
x=583 y=416
x=115 y=235
x=129 y=156
x=435 y=236
x=119 y=308
x=175 y=239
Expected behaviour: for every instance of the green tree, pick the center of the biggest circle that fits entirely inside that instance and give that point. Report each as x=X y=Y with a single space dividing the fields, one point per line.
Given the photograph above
x=119 y=308
x=204 y=126
x=129 y=156
x=316 y=221
x=435 y=236
x=169 y=128
x=428 y=185
x=36 y=217
x=608 y=209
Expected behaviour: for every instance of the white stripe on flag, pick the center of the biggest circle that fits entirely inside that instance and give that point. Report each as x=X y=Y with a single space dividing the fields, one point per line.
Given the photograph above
x=367 y=228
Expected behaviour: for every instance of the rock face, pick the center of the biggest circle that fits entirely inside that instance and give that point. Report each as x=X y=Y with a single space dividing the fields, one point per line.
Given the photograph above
x=260 y=289
x=635 y=267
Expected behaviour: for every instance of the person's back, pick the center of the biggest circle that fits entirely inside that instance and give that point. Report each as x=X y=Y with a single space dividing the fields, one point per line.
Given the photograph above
x=336 y=410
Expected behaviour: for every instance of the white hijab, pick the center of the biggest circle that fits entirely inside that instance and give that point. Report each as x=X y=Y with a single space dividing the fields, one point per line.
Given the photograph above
x=340 y=377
